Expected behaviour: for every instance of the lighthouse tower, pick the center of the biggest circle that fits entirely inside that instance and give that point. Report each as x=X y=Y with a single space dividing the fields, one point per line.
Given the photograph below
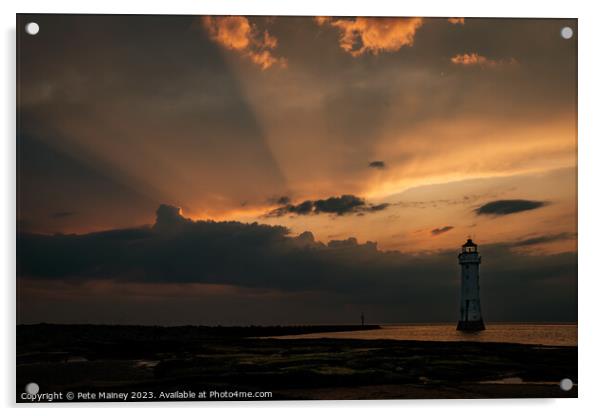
x=470 y=302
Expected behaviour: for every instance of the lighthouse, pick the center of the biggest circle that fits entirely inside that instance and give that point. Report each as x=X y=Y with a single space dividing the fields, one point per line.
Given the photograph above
x=470 y=301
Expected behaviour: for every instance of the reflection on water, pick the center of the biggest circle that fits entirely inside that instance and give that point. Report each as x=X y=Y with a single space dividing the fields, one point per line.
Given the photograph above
x=544 y=334
x=517 y=380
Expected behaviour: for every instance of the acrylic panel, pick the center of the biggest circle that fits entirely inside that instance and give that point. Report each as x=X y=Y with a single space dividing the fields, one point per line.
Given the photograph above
x=285 y=208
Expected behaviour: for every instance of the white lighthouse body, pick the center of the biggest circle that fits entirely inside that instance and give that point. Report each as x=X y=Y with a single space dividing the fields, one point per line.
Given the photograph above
x=470 y=301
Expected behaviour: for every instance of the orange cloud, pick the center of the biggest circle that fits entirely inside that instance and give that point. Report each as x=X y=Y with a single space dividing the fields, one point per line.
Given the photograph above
x=374 y=34
x=269 y=41
x=456 y=20
x=232 y=32
x=471 y=59
x=238 y=34
x=265 y=59
x=321 y=20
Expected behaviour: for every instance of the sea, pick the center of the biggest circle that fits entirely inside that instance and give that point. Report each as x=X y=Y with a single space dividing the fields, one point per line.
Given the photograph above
x=522 y=333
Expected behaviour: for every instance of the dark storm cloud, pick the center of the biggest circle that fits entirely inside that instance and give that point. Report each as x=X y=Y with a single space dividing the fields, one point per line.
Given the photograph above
x=178 y=250
x=339 y=205
x=377 y=164
x=438 y=231
x=336 y=205
x=508 y=206
x=169 y=217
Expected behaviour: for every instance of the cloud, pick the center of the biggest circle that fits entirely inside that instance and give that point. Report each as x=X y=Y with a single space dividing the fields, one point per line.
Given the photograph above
x=322 y=20
x=269 y=41
x=377 y=207
x=508 y=206
x=373 y=34
x=438 y=231
x=456 y=20
x=265 y=59
x=232 y=32
x=239 y=34
x=256 y=256
x=177 y=249
x=169 y=217
x=303 y=208
x=377 y=164
x=544 y=239
x=474 y=59
x=280 y=200
x=337 y=205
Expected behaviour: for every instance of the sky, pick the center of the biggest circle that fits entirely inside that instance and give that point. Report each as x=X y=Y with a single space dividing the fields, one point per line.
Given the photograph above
x=273 y=170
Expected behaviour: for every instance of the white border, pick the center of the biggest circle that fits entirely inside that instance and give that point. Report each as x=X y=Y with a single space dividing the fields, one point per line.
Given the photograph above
x=465 y=8
x=590 y=136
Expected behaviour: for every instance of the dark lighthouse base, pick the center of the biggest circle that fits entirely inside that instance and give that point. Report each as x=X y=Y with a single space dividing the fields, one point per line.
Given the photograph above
x=470 y=326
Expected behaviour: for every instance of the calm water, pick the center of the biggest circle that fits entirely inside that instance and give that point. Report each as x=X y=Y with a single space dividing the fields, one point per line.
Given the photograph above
x=544 y=334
